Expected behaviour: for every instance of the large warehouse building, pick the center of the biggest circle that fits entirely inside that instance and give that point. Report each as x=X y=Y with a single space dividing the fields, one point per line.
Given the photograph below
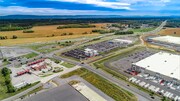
x=166 y=41
x=162 y=63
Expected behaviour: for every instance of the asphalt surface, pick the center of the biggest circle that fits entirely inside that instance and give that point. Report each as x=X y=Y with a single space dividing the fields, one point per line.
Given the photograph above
x=61 y=93
x=63 y=81
x=142 y=96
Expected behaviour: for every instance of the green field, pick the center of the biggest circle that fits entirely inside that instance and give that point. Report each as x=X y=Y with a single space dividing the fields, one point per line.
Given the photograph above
x=68 y=65
x=105 y=86
x=30 y=55
x=142 y=30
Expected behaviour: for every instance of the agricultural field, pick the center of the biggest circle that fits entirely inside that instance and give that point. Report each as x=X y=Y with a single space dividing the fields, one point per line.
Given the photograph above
x=47 y=33
x=170 y=31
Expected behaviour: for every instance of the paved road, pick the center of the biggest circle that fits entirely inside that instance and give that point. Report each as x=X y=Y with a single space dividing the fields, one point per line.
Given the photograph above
x=60 y=81
x=142 y=96
x=22 y=93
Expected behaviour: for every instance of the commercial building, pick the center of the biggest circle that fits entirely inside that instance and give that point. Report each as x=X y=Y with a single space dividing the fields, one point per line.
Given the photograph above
x=91 y=52
x=166 y=41
x=162 y=63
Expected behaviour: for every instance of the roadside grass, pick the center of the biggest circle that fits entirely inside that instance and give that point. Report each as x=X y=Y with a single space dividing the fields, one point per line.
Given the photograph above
x=37 y=47
x=68 y=65
x=33 y=91
x=55 y=60
x=5 y=63
x=100 y=65
x=142 y=29
x=104 y=85
x=30 y=55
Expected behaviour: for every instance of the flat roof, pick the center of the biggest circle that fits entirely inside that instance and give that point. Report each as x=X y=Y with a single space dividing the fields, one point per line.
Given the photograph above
x=164 y=63
x=122 y=40
x=169 y=39
x=62 y=93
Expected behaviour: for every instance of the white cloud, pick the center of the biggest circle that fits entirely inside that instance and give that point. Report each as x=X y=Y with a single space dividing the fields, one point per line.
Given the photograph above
x=146 y=2
x=101 y=3
x=12 y=10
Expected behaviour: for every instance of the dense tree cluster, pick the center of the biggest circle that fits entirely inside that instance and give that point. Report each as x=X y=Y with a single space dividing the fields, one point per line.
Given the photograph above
x=173 y=23
x=28 y=31
x=6 y=73
x=103 y=31
x=3 y=37
x=76 y=26
x=123 y=32
x=14 y=28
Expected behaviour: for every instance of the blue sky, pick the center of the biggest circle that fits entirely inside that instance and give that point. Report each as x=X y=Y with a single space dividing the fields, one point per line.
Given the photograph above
x=90 y=7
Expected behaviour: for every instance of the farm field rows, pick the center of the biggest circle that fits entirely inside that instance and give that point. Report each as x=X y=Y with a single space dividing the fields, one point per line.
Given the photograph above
x=46 y=33
x=170 y=31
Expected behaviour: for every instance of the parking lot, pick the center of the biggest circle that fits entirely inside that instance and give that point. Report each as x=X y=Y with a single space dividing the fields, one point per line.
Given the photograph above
x=11 y=52
x=101 y=47
x=155 y=84
x=126 y=63
x=76 y=53
x=107 y=46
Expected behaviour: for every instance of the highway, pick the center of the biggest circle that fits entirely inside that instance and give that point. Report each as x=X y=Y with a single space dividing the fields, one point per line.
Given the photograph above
x=142 y=96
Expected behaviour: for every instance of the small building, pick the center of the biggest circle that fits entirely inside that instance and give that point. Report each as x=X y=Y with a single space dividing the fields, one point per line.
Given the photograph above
x=144 y=25
x=91 y=52
x=20 y=85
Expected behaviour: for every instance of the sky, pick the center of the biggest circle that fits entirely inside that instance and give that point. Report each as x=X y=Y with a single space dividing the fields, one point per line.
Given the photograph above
x=91 y=7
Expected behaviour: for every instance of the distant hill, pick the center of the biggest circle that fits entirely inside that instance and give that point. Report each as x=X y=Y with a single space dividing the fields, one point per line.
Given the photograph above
x=71 y=16
x=57 y=16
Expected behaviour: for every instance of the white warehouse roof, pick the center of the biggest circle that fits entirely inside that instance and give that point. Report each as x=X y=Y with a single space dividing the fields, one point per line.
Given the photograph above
x=164 y=63
x=122 y=40
x=168 y=39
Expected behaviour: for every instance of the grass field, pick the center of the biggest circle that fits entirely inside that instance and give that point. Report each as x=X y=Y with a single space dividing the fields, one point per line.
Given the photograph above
x=46 y=33
x=142 y=30
x=105 y=86
x=170 y=31
x=68 y=65
x=30 y=55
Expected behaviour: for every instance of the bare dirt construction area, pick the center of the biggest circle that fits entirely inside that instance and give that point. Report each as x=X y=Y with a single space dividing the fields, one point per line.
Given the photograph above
x=47 y=33
x=170 y=31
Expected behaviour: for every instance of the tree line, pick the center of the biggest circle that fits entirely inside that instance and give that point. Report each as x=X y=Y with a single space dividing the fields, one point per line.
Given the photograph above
x=5 y=37
x=123 y=32
x=6 y=73
x=76 y=26
x=14 y=28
